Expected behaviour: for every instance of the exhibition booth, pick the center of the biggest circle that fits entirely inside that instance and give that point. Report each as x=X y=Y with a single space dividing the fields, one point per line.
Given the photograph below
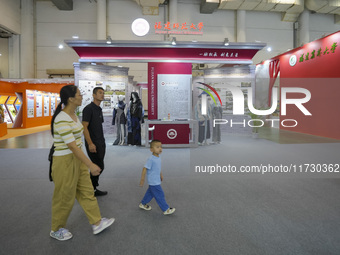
x=170 y=85
x=27 y=104
x=313 y=71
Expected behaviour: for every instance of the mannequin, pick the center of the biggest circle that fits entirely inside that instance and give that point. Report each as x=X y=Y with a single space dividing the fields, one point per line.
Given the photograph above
x=135 y=117
x=216 y=114
x=119 y=119
x=203 y=121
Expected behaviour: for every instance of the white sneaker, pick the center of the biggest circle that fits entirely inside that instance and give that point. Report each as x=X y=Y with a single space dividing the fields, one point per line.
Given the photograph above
x=169 y=211
x=145 y=207
x=104 y=223
x=62 y=234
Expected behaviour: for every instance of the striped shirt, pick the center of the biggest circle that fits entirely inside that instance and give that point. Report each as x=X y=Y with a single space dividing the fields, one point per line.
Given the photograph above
x=66 y=130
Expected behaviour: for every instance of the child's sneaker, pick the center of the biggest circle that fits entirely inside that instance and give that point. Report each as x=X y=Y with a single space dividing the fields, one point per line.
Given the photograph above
x=169 y=211
x=104 y=223
x=62 y=234
x=145 y=207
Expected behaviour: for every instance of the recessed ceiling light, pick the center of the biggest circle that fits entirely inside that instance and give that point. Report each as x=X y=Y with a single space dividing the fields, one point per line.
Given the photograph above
x=61 y=46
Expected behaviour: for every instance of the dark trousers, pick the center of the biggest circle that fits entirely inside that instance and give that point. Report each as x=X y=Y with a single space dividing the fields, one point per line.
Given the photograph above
x=98 y=159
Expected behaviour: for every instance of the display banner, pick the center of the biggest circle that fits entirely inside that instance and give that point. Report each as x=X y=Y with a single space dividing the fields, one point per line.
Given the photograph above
x=154 y=70
x=30 y=103
x=174 y=96
x=46 y=105
x=38 y=104
x=145 y=54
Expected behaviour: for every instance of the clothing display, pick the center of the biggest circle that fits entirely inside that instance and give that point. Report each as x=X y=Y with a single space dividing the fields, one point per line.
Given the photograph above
x=216 y=114
x=135 y=117
x=203 y=121
x=119 y=119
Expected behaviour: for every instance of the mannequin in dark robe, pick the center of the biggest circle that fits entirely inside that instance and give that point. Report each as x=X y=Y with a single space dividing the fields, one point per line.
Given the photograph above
x=135 y=117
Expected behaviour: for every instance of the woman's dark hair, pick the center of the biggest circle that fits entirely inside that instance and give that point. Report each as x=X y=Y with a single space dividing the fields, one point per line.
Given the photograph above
x=65 y=93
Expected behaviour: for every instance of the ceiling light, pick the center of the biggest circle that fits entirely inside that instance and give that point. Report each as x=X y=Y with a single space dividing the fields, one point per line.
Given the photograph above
x=226 y=42
x=173 y=41
x=269 y=49
x=108 y=39
x=61 y=46
x=75 y=37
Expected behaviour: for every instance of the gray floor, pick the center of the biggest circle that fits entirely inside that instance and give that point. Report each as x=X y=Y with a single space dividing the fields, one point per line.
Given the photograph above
x=220 y=213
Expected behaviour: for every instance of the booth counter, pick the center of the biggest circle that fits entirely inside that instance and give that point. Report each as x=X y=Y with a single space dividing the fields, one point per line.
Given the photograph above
x=181 y=133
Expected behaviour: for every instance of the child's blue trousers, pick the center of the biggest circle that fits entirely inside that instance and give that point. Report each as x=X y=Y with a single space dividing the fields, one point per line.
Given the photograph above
x=157 y=193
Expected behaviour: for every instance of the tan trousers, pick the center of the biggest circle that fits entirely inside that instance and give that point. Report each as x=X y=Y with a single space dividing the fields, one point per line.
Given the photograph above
x=72 y=180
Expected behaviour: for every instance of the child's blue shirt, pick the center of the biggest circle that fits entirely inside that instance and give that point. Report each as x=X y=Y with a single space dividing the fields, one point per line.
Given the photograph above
x=153 y=166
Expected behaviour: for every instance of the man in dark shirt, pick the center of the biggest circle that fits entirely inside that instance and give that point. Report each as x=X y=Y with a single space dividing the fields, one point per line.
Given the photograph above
x=94 y=135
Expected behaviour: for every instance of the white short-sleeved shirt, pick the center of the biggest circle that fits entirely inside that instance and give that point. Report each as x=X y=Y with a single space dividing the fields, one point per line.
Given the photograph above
x=66 y=130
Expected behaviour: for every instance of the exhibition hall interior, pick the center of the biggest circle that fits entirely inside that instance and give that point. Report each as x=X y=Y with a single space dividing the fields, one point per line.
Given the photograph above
x=243 y=96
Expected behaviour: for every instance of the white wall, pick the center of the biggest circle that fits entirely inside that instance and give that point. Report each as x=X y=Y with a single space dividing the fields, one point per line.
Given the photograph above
x=4 y=58
x=55 y=26
x=10 y=15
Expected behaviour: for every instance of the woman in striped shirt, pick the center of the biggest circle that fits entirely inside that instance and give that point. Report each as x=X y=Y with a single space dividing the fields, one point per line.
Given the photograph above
x=70 y=168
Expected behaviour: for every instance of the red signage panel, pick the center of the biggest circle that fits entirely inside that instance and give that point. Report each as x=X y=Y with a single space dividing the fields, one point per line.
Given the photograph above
x=171 y=133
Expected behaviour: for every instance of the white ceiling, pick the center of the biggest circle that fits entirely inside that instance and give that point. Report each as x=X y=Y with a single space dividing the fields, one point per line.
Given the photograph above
x=290 y=9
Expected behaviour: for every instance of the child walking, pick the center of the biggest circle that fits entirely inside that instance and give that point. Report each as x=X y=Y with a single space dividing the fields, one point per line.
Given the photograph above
x=154 y=175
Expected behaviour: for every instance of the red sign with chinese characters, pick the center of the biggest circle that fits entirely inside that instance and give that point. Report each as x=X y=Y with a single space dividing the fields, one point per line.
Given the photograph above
x=179 y=28
x=146 y=54
x=313 y=60
x=315 y=67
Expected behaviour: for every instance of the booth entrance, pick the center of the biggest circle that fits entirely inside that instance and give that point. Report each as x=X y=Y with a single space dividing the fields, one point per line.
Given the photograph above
x=170 y=89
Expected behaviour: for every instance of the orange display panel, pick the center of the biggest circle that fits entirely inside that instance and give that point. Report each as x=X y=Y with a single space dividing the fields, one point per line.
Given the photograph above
x=17 y=102
x=3 y=99
x=11 y=100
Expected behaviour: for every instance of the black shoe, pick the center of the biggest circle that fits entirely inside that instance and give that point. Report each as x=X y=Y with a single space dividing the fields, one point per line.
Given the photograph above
x=98 y=193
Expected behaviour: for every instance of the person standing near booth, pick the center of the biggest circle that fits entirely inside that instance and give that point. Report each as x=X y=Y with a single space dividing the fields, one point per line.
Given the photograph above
x=94 y=135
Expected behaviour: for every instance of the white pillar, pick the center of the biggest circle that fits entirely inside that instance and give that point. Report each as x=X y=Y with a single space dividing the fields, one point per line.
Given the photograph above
x=241 y=25
x=173 y=11
x=27 y=39
x=304 y=28
x=101 y=19
x=76 y=66
x=14 y=57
